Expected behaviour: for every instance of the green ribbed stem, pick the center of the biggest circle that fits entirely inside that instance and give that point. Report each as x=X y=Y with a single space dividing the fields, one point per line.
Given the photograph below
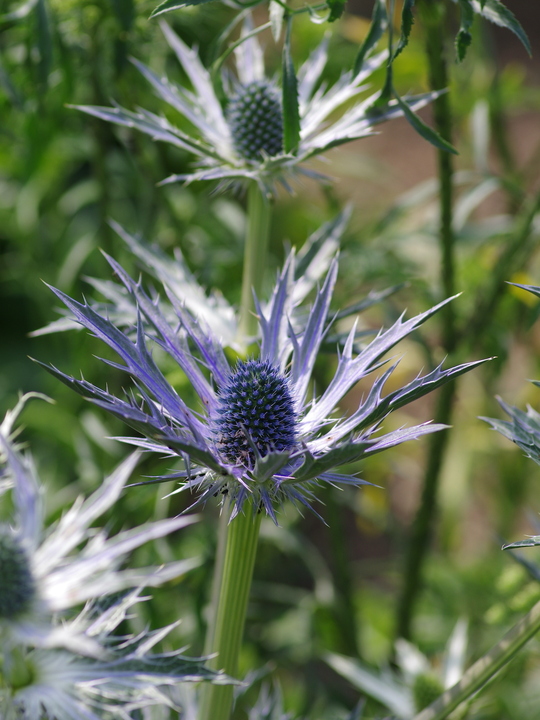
x=485 y=668
x=255 y=254
x=239 y=560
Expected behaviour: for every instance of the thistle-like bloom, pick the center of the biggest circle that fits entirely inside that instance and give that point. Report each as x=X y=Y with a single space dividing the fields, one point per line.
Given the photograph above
x=243 y=138
x=62 y=666
x=255 y=437
x=41 y=571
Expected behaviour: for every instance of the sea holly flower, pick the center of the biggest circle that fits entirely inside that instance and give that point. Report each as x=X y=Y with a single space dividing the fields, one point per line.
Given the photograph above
x=48 y=571
x=255 y=436
x=122 y=676
x=64 y=666
x=247 y=136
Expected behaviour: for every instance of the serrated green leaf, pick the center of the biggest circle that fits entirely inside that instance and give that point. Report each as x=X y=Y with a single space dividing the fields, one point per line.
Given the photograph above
x=277 y=13
x=291 y=112
x=379 y=23
x=529 y=542
x=407 y=21
x=170 y=5
x=499 y=14
x=424 y=130
x=463 y=38
x=336 y=9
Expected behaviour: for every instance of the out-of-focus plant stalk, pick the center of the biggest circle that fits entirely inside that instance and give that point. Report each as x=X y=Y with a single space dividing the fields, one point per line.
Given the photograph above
x=239 y=560
x=485 y=668
x=255 y=253
x=432 y=15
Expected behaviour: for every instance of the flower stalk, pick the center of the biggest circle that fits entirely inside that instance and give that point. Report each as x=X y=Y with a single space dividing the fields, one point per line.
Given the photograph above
x=255 y=253
x=433 y=17
x=485 y=668
x=239 y=560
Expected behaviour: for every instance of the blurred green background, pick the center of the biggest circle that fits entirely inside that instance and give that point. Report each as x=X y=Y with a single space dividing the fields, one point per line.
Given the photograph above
x=64 y=174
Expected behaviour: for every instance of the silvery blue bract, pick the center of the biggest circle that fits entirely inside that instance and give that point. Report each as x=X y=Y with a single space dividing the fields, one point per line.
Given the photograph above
x=223 y=451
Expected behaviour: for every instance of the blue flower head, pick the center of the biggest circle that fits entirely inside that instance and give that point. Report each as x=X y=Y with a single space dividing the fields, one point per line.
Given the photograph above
x=256 y=436
x=256 y=414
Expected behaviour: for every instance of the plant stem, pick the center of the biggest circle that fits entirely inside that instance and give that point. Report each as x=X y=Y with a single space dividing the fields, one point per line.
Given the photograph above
x=239 y=560
x=237 y=540
x=433 y=17
x=255 y=252
x=485 y=668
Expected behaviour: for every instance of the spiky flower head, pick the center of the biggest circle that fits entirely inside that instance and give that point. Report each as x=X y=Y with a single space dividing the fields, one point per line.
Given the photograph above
x=17 y=588
x=255 y=414
x=255 y=436
x=255 y=118
x=242 y=139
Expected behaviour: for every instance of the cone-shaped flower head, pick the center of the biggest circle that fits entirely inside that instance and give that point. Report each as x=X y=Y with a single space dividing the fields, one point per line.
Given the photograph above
x=243 y=137
x=255 y=118
x=255 y=436
x=255 y=414
x=17 y=589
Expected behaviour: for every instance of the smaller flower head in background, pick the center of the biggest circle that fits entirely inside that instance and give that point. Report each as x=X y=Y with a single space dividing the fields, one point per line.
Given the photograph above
x=246 y=137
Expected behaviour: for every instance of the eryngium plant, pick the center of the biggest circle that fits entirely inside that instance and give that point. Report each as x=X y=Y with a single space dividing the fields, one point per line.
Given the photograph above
x=247 y=137
x=56 y=665
x=257 y=436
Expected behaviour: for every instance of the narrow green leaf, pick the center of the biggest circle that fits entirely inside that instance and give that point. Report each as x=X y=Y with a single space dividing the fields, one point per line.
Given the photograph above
x=463 y=38
x=407 y=21
x=424 y=130
x=336 y=9
x=291 y=112
x=379 y=23
x=499 y=14
x=170 y=5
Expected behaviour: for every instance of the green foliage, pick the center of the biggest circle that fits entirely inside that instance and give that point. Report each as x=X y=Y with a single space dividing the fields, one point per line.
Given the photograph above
x=291 y=112
x=64 y=175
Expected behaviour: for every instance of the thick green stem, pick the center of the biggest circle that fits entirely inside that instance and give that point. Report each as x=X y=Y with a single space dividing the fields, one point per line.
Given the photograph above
x=239 y=560
x=216 y=581
x=485 y=668
x=433 y=18
x=255 y=253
